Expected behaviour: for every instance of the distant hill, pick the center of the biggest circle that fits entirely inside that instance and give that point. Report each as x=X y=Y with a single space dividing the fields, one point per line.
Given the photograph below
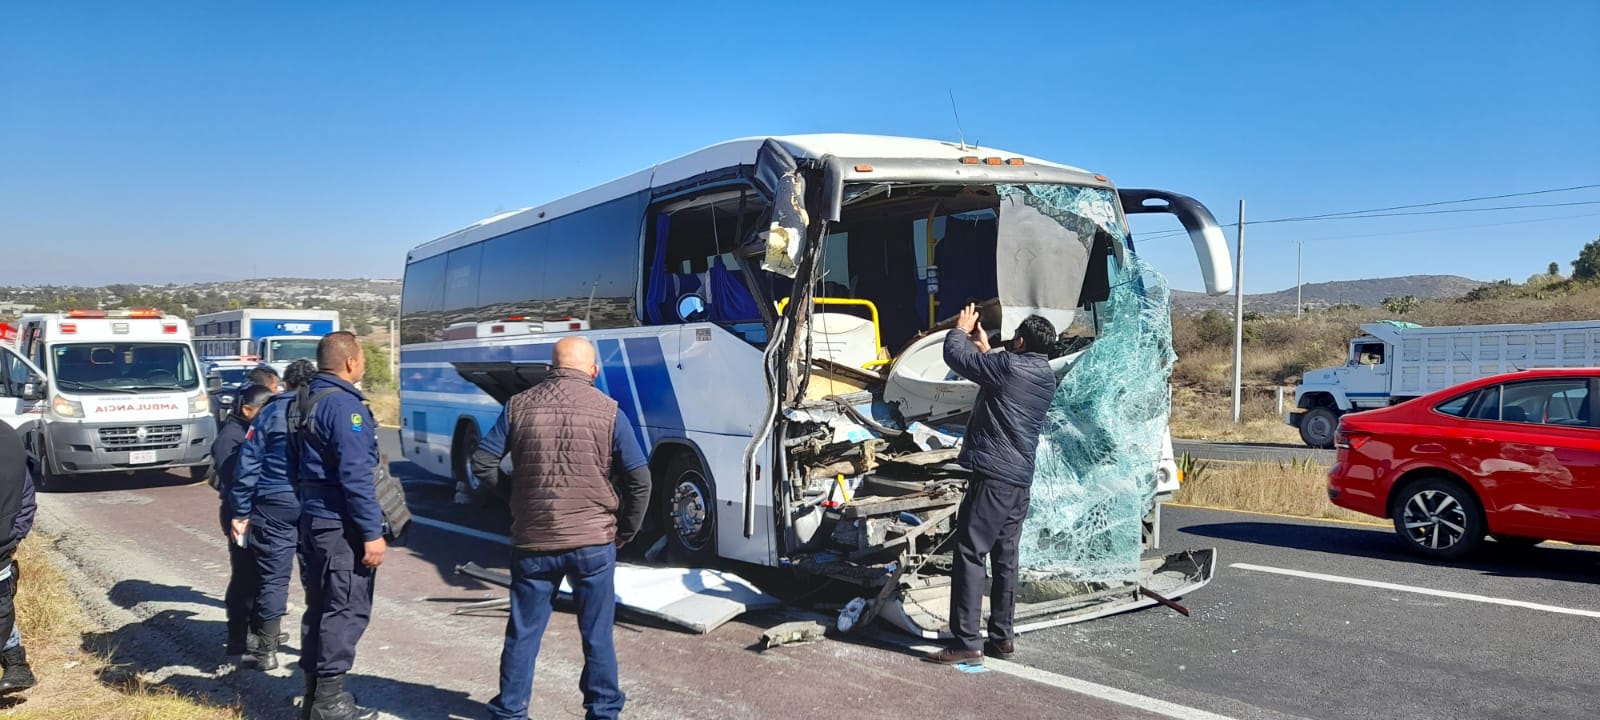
x=1365 y=293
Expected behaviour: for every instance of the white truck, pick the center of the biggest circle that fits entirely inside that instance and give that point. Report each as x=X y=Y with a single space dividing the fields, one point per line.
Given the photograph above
x=1395 y=361
x=275 y=337
x=96 y=391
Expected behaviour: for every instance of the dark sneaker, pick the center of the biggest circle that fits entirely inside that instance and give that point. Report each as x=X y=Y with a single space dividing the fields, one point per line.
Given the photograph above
x=1002 y=650
x=955 y=656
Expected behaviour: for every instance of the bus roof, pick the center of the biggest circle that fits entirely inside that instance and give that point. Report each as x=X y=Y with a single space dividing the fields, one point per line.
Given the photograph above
x=848 y=147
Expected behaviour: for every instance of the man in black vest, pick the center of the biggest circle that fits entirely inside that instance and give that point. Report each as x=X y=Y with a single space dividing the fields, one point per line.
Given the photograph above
x=565 y=437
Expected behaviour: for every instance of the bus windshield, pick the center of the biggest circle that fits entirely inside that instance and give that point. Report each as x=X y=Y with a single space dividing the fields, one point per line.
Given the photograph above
x=284 y=351
x=919 y=254
x=123 y=367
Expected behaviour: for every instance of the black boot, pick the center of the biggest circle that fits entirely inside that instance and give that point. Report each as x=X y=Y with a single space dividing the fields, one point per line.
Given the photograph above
x=18 y=676
x=263 y=654
x=331 y=702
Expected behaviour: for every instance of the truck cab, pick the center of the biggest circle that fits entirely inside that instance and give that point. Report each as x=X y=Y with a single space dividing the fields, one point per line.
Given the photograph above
x=1363 y=383
x=111 y=391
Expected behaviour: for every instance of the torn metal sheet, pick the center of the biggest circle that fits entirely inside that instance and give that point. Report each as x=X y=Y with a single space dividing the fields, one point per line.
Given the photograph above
x=924 y=610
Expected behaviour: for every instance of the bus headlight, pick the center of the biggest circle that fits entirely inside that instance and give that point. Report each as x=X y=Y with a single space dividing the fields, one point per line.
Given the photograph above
x=66 y=407
x=200 y=403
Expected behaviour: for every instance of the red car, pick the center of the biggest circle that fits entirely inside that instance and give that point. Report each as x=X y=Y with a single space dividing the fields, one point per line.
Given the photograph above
x=1514 y=456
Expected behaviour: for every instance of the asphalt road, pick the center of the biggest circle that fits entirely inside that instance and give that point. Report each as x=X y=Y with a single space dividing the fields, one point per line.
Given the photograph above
x=1251 y=451
x=1513 y=642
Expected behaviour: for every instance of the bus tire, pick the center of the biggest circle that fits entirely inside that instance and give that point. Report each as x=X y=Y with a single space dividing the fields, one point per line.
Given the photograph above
x=689 y=512
x=462 y=447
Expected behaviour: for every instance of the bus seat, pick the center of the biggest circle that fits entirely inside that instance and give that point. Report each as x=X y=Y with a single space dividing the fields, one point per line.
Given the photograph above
x=843 y=338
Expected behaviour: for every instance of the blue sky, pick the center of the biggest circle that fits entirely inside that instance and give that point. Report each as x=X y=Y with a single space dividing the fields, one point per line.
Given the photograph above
x=176 y=141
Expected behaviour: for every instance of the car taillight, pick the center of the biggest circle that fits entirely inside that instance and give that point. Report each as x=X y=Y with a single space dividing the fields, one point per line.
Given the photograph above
x=1350 y=439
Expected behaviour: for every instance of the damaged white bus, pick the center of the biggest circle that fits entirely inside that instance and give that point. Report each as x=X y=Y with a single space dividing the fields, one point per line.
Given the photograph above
x=768 y=312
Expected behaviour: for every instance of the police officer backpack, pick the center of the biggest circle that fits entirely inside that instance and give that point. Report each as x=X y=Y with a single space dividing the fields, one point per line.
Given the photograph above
x=390 y=493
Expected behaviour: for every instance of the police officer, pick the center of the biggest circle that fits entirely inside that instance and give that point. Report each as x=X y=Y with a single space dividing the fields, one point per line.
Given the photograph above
x=341 y=526
x=266 y=510
x=240 y=598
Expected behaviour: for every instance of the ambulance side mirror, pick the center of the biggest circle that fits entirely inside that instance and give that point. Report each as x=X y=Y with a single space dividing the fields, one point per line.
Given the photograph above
x=32 y=390
x=213 y=383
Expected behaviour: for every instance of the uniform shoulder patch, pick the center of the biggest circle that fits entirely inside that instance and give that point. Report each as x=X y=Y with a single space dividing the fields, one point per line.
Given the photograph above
x=355 y=422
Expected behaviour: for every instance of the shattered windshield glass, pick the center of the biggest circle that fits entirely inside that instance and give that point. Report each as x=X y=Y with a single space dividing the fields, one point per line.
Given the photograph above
x=1104 y=435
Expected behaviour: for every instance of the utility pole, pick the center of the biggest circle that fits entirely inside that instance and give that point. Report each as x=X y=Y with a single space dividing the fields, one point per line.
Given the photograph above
x=1238 y=319
x=1299 y=281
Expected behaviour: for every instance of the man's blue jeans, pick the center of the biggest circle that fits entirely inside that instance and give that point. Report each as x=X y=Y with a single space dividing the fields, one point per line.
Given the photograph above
x=535 y=578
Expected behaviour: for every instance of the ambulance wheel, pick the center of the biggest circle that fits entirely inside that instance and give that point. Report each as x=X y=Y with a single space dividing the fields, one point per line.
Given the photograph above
x=202 y=473
x=43 y=479
x=689 y=513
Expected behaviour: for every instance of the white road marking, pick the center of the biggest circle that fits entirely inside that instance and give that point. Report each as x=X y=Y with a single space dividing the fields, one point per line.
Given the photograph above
x=1419 y=590
x=1092 y=689
x=460 y=530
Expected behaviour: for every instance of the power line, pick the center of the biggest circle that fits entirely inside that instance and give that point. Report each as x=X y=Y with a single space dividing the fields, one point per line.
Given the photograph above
x=1370 y=212
x=1149 y=238
x=1456 y=202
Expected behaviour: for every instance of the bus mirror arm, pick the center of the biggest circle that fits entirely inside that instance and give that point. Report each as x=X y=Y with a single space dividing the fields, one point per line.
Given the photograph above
x=1210 y=246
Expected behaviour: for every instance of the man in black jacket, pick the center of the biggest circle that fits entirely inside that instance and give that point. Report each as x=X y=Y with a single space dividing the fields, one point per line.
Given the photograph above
x=1014 y=392
x=16 y=520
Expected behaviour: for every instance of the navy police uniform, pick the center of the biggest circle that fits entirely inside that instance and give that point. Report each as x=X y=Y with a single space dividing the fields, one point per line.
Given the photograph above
x=262 y=492
x=335 y=460
x=240 y=599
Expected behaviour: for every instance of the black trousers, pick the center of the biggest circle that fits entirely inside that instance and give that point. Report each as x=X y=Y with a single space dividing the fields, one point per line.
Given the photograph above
x=338 y=596
x=243 y=579
x=8 y=602
x=274 y=540
x=989 y=522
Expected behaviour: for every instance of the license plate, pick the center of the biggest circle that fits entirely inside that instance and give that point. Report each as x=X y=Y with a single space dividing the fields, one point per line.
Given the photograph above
x=141 y=457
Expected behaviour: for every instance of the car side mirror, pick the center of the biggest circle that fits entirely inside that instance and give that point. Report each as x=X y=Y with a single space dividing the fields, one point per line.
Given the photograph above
x=32 y=391
x=213 y=383
x=691 y=308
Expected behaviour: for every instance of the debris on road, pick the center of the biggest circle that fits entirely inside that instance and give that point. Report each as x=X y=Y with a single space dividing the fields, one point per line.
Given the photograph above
x=798 y=632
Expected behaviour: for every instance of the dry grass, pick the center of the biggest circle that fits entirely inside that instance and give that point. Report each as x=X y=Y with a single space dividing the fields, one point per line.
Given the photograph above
x=1206 y=416
x=385 y=404
x=70 y=685
x=1284 y=488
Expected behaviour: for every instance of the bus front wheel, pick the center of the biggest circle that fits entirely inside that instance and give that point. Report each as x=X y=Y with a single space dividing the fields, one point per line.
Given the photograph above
x=689 y=513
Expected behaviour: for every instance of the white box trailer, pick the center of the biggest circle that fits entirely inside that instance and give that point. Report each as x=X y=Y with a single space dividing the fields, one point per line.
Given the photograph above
x=273 y=336
x=1394 y=362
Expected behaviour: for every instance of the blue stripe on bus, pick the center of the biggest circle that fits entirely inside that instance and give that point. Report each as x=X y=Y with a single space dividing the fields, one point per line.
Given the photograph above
x=649 y=367
x=645 y=362
x=614 y=381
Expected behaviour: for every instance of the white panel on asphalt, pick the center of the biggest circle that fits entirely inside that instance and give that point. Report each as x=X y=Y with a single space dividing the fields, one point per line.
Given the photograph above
x=699 y=600
x=1418 y=590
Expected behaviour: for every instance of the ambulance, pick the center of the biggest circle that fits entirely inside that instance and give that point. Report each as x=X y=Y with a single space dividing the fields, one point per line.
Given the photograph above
x=99 y=391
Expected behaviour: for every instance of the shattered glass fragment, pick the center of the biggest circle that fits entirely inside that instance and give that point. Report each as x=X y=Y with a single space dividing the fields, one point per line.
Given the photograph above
x=1103 y=436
